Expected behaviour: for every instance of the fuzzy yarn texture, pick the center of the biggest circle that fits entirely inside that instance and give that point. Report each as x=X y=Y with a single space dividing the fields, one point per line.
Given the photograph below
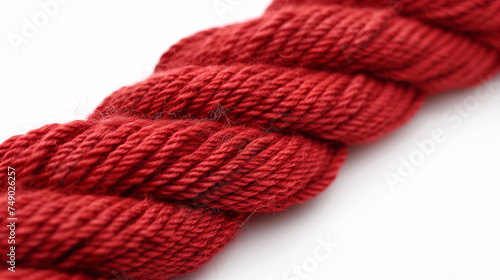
x=235 y=121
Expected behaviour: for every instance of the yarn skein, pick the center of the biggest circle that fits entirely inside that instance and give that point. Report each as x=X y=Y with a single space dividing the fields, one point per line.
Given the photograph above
x=235 y=121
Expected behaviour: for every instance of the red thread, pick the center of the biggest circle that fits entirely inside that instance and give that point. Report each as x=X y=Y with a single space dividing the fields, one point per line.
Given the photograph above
x=249 y=118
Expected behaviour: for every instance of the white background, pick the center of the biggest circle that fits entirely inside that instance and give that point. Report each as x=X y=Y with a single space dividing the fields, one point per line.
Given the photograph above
x=441 y=223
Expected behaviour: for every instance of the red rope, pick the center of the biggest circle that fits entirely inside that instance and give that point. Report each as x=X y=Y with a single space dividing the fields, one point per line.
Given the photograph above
x=244 y=119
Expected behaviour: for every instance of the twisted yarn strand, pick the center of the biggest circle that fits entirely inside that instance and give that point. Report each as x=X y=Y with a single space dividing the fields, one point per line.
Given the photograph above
x=235 y=121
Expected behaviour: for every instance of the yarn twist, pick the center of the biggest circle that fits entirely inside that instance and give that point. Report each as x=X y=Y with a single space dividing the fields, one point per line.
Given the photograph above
x=244 y=119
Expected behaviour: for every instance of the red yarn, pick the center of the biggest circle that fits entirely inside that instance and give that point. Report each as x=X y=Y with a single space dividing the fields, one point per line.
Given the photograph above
x=244 y=119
